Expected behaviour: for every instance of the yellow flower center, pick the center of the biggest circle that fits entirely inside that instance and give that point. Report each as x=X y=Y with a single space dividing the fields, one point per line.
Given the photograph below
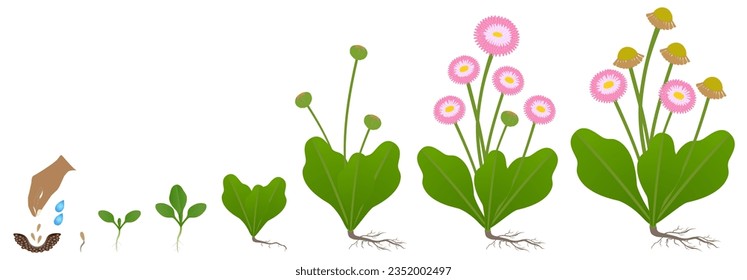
x=449 y=108
x=663 y=14
x=627 y=53
x=464 y=68
x=509 y=80
x=608 y=84
x=541 y=108
x=679 y=95
x=713 y=84
x=497 y=34
x=677 y=50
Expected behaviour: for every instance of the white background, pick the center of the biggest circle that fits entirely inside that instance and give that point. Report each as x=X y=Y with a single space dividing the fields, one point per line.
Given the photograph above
x=142 y=95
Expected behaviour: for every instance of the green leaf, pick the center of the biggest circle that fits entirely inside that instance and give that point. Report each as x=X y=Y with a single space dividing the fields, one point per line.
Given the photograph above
x=504 y=190
x=106 y=216
x=658 y=173
x=165 y=210
x=606 y=168
x=196 y=210
x=702 y=167
x=254 y=207
x=367 y=181
x=178 y=199
x=119 y=222
x=321 y=171
x=447 y=180
x=132 y=216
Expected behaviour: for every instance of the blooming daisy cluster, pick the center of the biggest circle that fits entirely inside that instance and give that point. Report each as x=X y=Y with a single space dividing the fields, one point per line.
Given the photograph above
x=676 y=96
x=496 y=36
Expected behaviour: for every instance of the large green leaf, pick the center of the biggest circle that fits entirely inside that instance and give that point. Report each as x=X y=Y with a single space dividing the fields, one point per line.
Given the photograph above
x=658 y=173
x=352 y=188
x=178 y=199
x=606 y=168
x=367 y=181
x=447 y=180
x=702 y=167
x=504 y=190
x=322 y=168
x=254 y=207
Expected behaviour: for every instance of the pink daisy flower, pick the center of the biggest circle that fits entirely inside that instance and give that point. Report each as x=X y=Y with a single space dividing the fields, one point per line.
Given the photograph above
x=508 y=80
x=608 y=86
x=449 y=110
x=463 y=69
x=497 y=35
x=677 y=96
x=539 y=109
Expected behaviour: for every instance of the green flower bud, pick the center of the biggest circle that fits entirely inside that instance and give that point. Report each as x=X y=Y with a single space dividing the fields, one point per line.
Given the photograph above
x=372 y=122
x=509 y=118
x=303 y=100
x=358 y=52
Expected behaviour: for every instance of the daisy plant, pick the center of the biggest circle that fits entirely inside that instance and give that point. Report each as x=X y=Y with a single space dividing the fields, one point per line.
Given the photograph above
x=668 y=178
x=502 y=188
x=352 y=184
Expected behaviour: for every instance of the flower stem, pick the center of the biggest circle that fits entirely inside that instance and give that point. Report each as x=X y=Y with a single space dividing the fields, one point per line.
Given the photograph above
x=638 y=100
x=364 y=141
x=320 y=126
x=642 y=116
x=466 y=149
x=658 y=103
x=482 y=85
x=492 y=126
x=627 y=129
x=666 y=124
x=702 y=116
x=177 y=238
x=531 y=132
x=478 y=131
x=501 y=139
x=347 y=112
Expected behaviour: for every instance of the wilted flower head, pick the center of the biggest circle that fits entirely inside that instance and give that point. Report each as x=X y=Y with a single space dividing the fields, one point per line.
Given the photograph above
x=628 y=58
x=661 y=18
x=712 y=88
x=676 y=54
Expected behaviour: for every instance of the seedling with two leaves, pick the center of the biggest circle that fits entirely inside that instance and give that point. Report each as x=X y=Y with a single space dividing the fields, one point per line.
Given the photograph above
x=178 y=200
x=107 y=216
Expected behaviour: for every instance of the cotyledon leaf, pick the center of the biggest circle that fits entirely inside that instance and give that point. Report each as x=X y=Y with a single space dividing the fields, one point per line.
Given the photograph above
x=447 y=180
x=606 y=168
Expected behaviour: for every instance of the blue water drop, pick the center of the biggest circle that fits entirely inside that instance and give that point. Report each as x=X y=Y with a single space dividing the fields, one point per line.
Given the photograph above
x=60 y=205
x=58 y=220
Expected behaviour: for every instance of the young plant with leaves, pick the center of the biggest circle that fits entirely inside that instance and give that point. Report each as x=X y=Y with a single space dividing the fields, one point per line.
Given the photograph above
x=107 y=216
x=501 y=188
x=669 y=179
x=254 y=207
x=178 y=200
x=356 y=183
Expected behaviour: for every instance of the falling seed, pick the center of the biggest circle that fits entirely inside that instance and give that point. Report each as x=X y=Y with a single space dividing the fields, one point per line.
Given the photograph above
x=38 y=227
x=58 y=220
x=39 y=239
x=82 y=236
x=33 y=236
x=60 y=206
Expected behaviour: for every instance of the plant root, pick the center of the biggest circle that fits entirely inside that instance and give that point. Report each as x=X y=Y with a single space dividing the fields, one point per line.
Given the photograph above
x=269 y=243
x=368 y=240
x=507 y=240
x=676 y=237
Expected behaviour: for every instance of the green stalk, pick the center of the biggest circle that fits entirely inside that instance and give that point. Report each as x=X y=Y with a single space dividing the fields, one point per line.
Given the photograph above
x=531 y=132
x=642 y=115
x=482 y=85
x=116 y=241
x=702 y=116
x=638 y=100
x=364 y=141
x=666 y=124
x=627 y=129
x=347 y=112
x=320 y=125
x=177 y=238
x=466 y=149
x=658 y=103
x=501 y=139
x=492 y=126
x=478 y=131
